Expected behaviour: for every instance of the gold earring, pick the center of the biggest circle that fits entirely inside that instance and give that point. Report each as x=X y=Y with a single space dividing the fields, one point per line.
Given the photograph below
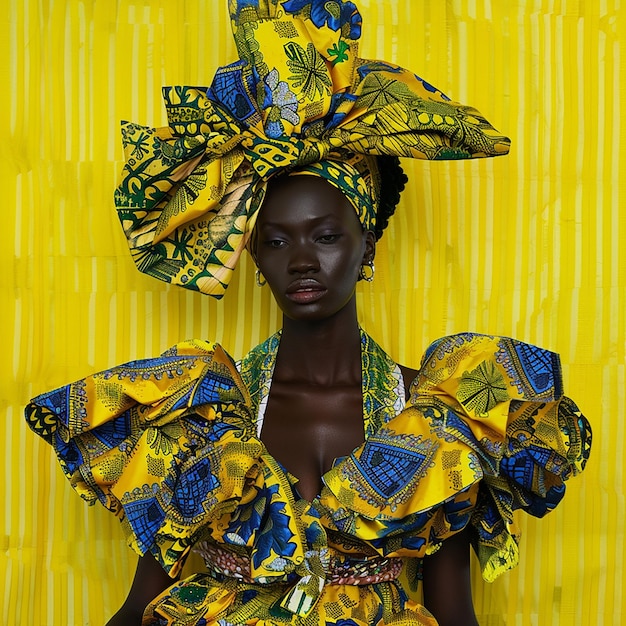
x=367 y=274
x=260 y=280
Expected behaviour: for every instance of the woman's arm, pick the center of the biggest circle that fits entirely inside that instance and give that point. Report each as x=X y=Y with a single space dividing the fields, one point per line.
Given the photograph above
x=150 y=580
x=447 y=583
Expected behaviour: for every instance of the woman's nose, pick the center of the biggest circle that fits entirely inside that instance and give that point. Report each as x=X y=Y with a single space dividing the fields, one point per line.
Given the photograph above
x=303 y=259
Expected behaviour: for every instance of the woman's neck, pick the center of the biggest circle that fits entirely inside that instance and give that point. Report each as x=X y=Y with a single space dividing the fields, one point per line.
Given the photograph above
x=325 y=352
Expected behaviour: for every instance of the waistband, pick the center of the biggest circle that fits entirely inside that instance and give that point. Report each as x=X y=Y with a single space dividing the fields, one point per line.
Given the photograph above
x=222 y=562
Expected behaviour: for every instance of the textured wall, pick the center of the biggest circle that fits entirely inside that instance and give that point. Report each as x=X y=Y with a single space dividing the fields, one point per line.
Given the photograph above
x=530 y=245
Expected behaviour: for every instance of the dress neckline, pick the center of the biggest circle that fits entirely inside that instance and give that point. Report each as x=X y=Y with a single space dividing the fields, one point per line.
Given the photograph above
x=382 y=383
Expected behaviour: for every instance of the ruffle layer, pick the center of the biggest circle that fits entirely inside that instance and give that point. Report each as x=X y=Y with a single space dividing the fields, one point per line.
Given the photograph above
x=486 y=431
x=163 y=443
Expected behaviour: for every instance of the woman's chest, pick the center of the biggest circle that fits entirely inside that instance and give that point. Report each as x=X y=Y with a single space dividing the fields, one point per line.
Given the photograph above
x=306 y=428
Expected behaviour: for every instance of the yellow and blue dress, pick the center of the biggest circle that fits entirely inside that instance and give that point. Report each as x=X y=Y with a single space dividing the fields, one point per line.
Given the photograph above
x=171 y=446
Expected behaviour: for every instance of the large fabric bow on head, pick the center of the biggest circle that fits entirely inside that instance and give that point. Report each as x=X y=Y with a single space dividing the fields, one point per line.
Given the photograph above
x=299 y=94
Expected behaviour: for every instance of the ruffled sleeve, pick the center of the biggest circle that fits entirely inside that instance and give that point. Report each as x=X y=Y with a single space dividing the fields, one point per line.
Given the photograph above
x=486 y=431
x=152 y=440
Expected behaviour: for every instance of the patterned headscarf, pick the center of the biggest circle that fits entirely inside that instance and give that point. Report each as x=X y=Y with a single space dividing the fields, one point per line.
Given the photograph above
x=298 y=98
x=357 y=178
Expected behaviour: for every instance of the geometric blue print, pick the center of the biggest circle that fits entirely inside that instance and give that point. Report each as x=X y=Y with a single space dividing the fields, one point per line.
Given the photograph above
x=145 y=517
x=387 y=468
x=69 y=453
x=459 y=427
x=192 y=487
x=537 y=365
x=519 y=468
x=57 y=401
x=210 y=388
x=112 y=433
x=228 y=88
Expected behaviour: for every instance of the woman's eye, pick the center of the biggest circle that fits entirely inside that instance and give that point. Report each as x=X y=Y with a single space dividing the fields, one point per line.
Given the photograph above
x=274 y=243
x=330 y=238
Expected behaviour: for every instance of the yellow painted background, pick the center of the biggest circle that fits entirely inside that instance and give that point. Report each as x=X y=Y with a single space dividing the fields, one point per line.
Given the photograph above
x=530 y=245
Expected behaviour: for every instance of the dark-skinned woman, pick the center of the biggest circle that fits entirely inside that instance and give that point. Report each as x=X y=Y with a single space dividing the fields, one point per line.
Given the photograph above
x=317 y=478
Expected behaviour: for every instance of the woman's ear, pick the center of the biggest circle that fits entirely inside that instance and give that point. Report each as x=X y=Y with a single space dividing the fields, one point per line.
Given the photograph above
x=370 y=247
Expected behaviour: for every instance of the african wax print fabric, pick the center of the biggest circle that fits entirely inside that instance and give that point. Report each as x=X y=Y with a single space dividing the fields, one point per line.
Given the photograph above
x=358 y=178
x=299 y=94
x=170 y=446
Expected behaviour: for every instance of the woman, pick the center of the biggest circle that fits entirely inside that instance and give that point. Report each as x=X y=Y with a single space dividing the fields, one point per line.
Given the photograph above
x=299 y=477
x=311 y=248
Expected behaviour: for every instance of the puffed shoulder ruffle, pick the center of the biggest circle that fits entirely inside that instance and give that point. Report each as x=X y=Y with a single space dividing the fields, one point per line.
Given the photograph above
x=486 y=431
x=152 y=440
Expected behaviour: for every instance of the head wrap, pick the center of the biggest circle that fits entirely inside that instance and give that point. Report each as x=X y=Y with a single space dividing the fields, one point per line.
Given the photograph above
x=299 y=98
x=357 y=178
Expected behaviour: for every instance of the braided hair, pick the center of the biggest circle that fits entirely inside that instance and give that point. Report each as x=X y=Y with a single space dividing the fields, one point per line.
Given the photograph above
x=392 y=183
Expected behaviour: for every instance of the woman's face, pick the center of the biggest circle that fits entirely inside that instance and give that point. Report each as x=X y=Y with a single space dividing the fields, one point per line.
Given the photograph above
x=309 y=245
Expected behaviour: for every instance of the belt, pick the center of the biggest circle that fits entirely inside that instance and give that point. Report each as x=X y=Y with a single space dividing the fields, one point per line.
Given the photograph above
x=341 y=571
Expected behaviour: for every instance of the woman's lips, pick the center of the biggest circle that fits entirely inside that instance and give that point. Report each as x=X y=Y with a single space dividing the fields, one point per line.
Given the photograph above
x=305 y=290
